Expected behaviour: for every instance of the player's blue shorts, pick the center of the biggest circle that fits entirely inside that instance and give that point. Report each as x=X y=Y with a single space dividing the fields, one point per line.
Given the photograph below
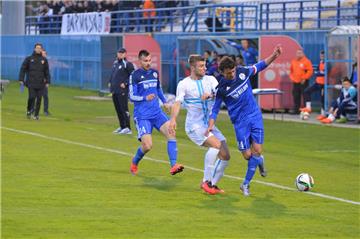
x=249 y=130
x=145 y=126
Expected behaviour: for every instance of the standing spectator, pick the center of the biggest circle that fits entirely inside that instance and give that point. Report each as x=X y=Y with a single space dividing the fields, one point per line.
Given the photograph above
x=36 y=68
x=99 y=6
x=56 y=5
x=318 y=86
x=149 y=16
x=45 y=19
x=207 y=57
x=46 y=90
x=354 y=75
x=119 y=87
x=249 y=55
x=88 y=6
x=300 y=72
x=107 y=5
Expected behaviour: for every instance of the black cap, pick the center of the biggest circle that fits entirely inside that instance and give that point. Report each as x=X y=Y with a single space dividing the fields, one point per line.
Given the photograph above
x=122 y=50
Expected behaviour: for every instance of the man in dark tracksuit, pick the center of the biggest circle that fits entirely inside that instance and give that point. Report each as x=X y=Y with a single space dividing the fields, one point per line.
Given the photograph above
x=119 y=87
x=36 y=68
x=46 y=91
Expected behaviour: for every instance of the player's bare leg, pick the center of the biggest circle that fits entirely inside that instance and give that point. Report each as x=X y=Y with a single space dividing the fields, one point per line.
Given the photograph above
x=146 y=145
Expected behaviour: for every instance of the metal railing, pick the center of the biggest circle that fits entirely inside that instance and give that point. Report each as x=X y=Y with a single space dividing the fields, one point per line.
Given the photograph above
x=309 y=14
x=313 y=14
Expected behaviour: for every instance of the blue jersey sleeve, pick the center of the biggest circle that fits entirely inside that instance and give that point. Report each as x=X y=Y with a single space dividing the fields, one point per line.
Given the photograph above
x=234 y=44
x=160 y=93
x=261 y=65
x=352 y=92
x=133 y=89
x=216 y=107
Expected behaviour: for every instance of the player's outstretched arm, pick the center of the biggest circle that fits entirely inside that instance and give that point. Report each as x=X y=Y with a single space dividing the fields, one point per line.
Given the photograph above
x=261 y=65
x=277 y=52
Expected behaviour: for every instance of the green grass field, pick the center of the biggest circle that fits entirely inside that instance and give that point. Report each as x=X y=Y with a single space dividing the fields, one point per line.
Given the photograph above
x=67 y=176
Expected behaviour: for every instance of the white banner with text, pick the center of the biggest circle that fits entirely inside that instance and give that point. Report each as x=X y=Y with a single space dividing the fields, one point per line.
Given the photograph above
x=86 y=23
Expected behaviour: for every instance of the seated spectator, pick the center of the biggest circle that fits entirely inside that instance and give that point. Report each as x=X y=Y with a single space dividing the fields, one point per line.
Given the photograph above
x=345 y=104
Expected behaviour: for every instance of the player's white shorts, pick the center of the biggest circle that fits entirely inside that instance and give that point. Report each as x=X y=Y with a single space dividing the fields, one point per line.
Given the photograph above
x=197 y=134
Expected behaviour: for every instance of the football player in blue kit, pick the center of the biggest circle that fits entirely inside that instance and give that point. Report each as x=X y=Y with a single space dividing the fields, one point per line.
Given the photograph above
x=145 y=92
x=235 y=90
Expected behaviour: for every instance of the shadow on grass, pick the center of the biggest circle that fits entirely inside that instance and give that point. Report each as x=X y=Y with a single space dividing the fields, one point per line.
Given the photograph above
x=161 y=183
x=103 y=170
x=262 y=207
x=222 y=203
x=265 y=207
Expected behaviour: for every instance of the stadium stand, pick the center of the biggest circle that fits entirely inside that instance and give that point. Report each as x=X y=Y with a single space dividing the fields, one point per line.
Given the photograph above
x=192 y=16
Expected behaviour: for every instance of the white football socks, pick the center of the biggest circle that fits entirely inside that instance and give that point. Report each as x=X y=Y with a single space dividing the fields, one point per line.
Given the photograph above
x=308 y=105
x=209 y=160
x=331 y=117
x=219 y=169
x=322 y=111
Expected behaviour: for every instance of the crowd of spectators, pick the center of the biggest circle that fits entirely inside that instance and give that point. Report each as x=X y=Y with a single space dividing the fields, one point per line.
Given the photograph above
x=49 y=12
x=59 y=7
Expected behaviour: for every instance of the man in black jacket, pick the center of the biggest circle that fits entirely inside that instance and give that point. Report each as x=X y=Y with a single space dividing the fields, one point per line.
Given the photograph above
x=46 y=90
x=119 y=87
x=36 y=68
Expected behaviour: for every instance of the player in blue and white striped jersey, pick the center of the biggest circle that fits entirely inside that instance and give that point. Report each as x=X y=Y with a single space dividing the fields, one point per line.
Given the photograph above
x=197 y=93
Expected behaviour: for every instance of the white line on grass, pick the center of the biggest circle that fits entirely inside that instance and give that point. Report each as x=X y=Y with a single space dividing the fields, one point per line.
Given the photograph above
x=165 y=162
x=336 y=151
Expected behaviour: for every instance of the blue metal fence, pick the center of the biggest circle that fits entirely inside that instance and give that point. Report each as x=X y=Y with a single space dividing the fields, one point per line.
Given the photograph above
x=82 y=61
x=310 y=14
x=74 y=60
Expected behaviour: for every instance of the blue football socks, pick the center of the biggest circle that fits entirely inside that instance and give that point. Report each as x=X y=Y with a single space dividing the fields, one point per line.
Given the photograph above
x=252 y=164
x=138 y=156
x=172 y=151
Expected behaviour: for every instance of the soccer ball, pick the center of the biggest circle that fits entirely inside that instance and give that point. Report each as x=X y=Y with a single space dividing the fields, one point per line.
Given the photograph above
x=304 y=182
x=304 y=115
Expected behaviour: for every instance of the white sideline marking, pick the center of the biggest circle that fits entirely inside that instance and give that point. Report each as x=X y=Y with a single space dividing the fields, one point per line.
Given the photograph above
x=165 y=162
x=336 y=151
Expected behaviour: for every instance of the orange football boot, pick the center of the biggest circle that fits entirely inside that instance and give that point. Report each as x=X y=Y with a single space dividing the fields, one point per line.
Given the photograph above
x=326 y=121
x=206 y=186
x=177 y=168
x=321 y=117
x=305 y=110
x=133 y=168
